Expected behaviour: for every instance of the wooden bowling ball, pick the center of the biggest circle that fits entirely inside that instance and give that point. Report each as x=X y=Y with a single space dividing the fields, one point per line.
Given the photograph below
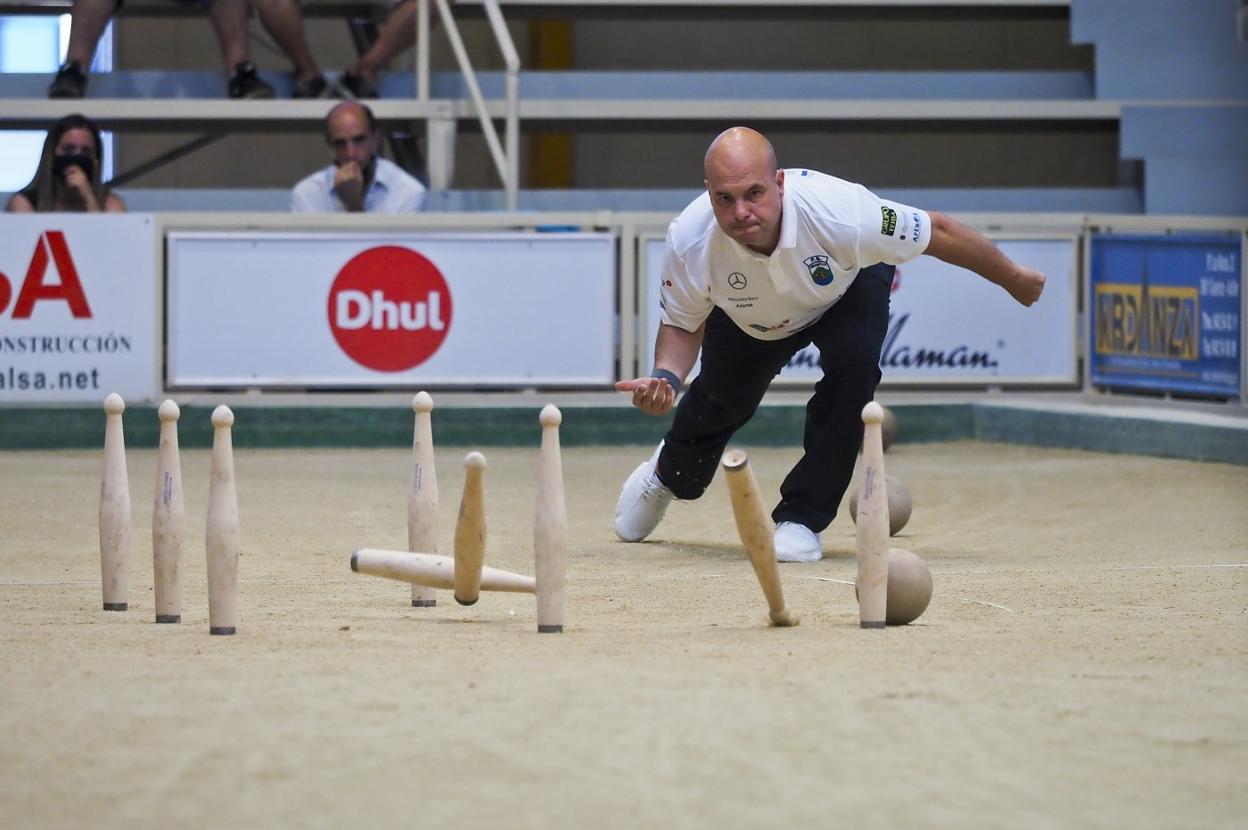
x=909 y=587
x=888 y=429
x=899 y=505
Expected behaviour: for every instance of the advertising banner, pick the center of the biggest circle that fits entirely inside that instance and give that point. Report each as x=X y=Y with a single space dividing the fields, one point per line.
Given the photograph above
x=78 y=308
x=948 y=325
x=256 y=310
x=1166 y=313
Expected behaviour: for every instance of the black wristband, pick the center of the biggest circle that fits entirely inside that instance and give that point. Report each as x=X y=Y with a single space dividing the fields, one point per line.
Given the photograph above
x=670 y=377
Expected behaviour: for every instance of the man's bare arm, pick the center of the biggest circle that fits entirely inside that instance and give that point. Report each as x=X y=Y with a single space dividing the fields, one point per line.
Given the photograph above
x=957 y=244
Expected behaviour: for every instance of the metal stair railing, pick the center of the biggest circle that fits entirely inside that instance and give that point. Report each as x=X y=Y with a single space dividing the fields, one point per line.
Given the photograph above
x=506 y=161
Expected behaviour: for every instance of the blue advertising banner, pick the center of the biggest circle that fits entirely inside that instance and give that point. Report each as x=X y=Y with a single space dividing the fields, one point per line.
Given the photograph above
x=1166 y=313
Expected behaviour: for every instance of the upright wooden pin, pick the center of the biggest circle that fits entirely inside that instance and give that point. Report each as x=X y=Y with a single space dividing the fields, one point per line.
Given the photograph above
x=470 y=532
x=757 y=533
x=550 y=531
x=114 y=509
x=224 y=531
x=168 y=517
x=871 y=543
x=422 y=495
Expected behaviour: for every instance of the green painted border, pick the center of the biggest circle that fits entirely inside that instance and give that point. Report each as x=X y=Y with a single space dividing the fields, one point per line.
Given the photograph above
x=1112 y=433
x=772 y=426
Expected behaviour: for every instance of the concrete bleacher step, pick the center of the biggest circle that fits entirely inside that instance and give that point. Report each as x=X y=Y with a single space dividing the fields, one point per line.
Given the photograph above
x=1208 y=131
x=1120 y=200
x=176 y=99
x=1195 y=157
x=1163 y=49
x=673 y=200
x=764 y=85
x=1181 y=74
x=591 y=86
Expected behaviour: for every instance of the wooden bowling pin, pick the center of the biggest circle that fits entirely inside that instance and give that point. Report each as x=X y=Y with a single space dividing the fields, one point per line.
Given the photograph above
x=550 y=531
x=224 y=531
x=422 y=495
x=871 y=543
x=168 y=517
x=114 y=509
x=470 y=532
x=757 y=533
x=433 y=570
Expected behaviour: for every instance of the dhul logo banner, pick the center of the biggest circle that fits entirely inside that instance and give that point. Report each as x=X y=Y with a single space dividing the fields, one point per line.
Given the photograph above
x=1166 y=312
x=389 y=310
x=78 y=314
x=948 y=325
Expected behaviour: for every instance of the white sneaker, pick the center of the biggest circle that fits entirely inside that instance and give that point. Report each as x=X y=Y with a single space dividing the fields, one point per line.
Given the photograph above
x=643 y=501
x=797 y=543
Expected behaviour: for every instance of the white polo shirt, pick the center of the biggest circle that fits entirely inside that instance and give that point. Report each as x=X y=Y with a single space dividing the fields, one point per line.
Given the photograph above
x=829 y=229
x=392 y=190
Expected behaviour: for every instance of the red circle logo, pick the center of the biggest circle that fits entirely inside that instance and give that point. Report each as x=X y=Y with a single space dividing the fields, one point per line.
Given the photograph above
x=389 y=309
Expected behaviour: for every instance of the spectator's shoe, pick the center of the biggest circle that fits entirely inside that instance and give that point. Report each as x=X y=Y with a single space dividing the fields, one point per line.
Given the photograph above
x=643 y=502
x=797 y=543
x=70 y=82
x=357 y=86
x=314 y=87
x=246 y=84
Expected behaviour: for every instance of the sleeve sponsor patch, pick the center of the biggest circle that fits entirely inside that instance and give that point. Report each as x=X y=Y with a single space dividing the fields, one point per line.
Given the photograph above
x=889 y=224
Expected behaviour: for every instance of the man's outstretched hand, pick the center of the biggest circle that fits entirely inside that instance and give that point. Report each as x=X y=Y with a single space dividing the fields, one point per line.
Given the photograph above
x=653 y=396
x=1027 y=285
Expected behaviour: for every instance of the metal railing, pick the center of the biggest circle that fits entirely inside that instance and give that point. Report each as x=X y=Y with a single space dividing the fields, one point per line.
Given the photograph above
x=506 y=160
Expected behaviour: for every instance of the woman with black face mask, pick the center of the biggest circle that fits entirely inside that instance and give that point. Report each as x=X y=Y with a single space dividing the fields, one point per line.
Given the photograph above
x=68 y=178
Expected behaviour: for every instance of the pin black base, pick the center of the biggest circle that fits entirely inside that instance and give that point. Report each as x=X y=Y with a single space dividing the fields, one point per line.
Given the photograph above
x=424 y=603
x=221 y=629
x=469 y=602
x=114 y=606
x=168 y=618
x=880 y=624
x=550 y=629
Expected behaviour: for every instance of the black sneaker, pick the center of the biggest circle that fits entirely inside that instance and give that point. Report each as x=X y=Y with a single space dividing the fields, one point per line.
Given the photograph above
x=357 y=86
x=314 y=87
x=70 y=82
x=247 y=84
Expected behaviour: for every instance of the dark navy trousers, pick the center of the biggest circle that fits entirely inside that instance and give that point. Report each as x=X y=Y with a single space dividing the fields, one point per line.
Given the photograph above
x=736 y=371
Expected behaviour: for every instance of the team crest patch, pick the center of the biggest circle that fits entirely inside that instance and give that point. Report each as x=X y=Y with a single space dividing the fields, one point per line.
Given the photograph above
x=819 y=270
x=889 y=226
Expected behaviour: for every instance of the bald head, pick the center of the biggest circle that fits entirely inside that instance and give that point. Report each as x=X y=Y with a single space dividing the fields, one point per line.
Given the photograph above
x=737 y=149
x=746 y=188
x=352 y=112
x=352 y=135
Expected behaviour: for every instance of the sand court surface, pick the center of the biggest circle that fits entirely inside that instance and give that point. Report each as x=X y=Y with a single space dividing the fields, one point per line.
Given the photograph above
x=1084 y=660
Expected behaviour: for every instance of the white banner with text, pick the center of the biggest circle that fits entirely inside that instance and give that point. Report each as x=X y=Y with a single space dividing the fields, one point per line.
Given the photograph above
x=383 y=310
x=78 y=309
x=947 y=324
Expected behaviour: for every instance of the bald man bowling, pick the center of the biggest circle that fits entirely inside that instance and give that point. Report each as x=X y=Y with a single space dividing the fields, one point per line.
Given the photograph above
x=764 y=263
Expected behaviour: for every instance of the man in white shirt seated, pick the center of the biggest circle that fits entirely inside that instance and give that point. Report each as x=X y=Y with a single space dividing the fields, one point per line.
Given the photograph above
x=359 y=179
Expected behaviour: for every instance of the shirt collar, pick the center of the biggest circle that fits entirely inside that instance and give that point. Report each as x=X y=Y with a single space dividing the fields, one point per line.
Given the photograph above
x=788 y=220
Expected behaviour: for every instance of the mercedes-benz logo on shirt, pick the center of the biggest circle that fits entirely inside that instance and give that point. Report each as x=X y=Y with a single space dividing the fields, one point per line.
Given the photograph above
x=737 y=280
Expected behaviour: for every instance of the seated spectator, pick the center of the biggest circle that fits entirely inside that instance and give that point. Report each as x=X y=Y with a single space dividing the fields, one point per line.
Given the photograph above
x=359 y=179
x=281 y=18
x=68 y=178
